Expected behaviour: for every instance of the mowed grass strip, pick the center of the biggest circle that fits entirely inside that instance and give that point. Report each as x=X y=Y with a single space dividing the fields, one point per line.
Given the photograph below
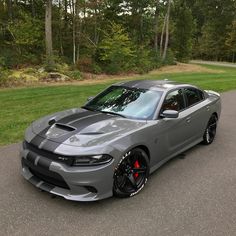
x=19 y=107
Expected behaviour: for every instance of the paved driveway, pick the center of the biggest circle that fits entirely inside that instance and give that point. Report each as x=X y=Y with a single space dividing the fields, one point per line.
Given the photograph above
x=215 y=63
x=191 y=196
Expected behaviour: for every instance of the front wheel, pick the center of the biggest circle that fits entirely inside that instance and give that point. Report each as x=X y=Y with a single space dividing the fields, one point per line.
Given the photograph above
x=210 y=131
x=131 y=173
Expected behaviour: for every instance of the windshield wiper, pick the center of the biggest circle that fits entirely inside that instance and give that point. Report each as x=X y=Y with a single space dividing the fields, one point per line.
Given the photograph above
x=89 y=108
x=113 y=113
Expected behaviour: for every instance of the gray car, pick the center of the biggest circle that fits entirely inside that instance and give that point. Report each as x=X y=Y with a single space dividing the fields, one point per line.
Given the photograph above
x=112 y=144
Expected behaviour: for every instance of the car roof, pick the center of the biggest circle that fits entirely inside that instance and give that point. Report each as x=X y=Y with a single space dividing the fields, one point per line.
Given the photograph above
x=160 y=85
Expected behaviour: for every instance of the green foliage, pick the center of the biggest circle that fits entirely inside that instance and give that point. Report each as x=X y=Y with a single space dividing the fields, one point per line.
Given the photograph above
x=183 y=31
x=198 y=28
x=146 y=60
x=213 y=19
x=170 y=58
x=116 y=50
x=26 y=32
x=87 y=64
x=74 y=74
x=9 y=79
x=26 y=37
x=231 y=40
x=49 y=65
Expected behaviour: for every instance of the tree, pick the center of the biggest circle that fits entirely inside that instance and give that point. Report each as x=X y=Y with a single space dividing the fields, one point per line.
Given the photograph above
x=183 y=31
x=116 y=51
x=231 y=40
x=26 y=34
x=167 y=22
x=48 y=33
x=156 y=23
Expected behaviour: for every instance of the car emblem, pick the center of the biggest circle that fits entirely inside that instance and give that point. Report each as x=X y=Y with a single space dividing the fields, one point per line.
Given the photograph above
x=63 y=158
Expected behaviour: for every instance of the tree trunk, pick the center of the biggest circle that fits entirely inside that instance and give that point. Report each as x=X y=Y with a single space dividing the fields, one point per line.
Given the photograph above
x=96 y=22
x=73 y=31
x=167 y=31
x=48 y=32
x=61 y=28
x=33 y=8
x=162 y=35
x=77 y=29
x=65 y=10
x=156 y=26
x=9 y=9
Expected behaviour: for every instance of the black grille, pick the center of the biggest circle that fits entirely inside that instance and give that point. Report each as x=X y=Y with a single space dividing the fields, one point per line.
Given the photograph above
x=46 y=175
x=50 y=155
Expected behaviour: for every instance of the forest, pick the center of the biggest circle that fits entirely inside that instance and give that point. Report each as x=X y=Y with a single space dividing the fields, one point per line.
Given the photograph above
x=115 y=36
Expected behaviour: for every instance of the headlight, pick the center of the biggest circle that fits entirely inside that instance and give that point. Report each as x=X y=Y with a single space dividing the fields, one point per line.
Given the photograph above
x=91 y=160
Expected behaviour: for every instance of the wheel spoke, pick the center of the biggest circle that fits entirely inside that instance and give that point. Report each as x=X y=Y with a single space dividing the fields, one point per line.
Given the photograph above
x=128 y=161
x=139 y=170
x=213 y=125
x=122 y=182
x=132 y=181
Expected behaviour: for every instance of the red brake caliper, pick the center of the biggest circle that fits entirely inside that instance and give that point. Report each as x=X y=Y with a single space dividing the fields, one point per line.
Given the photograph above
x=136 y=165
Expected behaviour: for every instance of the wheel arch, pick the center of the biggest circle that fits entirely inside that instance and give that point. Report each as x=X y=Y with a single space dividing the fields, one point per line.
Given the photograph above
x=215 y=113
x=144 y=148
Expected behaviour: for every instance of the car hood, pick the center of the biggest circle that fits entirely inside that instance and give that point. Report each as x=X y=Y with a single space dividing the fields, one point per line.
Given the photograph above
x=79 y=127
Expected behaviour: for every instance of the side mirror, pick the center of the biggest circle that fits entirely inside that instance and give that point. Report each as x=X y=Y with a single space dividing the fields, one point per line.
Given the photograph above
x=171 y=114
x=89 y=99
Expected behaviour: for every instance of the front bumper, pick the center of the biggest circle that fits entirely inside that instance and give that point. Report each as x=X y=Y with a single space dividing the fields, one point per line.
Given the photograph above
x=73 y=183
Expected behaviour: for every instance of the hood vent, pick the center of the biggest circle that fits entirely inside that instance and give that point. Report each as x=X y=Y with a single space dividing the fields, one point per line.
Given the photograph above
x=57 y=130
x=65 y=127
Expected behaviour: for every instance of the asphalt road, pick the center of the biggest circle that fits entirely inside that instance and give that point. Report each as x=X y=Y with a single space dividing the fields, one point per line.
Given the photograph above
x=215 y=63
x=191 y=196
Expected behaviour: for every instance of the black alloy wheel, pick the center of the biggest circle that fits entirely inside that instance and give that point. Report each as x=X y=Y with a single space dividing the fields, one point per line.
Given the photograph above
x=131 y=174
x=210 y=131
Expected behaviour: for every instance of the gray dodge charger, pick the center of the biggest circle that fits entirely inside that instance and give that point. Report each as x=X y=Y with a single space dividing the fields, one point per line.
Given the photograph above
x=114 y=142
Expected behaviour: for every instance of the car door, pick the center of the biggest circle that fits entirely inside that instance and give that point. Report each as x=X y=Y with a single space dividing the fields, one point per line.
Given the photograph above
x=197 y=113
x=173 y=135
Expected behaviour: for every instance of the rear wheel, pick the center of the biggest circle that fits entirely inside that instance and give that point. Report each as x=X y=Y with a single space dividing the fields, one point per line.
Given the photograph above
x=210 y=131
x=131 y=173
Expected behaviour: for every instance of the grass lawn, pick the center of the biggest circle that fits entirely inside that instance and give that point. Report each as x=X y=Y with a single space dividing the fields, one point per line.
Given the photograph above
x=20 y=106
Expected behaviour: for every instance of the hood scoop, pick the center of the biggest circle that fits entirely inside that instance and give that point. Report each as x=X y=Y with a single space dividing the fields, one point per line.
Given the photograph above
x=57 y=130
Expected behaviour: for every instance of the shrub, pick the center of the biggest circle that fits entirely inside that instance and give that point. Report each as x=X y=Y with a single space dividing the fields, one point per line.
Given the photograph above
x=116 y=50
x=143 y=60
x=6 y=80
x=85 y=64
x=170 y=58
x=74 y=74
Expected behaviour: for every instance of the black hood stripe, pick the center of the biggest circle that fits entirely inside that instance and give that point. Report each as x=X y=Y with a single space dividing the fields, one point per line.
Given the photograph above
x=79 y=119
x=40 y=137
x=79 y=124
x=75 y=116
x=89 y=120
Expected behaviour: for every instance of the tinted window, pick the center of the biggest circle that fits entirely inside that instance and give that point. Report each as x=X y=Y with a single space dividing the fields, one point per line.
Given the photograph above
x=201 y=94
x=174 y=101
x=193 y=96
x=129 y=102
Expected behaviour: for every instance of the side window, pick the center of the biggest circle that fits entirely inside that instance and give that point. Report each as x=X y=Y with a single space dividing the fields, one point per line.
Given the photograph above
x=174 y=101
x=202 y=95
x=193 y=96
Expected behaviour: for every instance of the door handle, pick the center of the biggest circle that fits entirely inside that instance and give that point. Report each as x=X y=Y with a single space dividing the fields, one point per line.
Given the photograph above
x=188 y=120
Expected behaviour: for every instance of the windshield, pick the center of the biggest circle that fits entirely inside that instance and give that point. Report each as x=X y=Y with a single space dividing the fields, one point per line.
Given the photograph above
x=128 y=102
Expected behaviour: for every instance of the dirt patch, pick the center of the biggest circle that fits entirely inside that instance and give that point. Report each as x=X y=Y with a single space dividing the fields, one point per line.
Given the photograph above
x=182 y=68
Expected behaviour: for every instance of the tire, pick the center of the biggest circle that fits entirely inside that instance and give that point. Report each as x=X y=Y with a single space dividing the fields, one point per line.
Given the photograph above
x=131 y=173
x=210 y=132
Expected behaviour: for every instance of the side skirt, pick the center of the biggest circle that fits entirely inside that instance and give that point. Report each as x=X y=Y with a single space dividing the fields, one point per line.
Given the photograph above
x=162 y=162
